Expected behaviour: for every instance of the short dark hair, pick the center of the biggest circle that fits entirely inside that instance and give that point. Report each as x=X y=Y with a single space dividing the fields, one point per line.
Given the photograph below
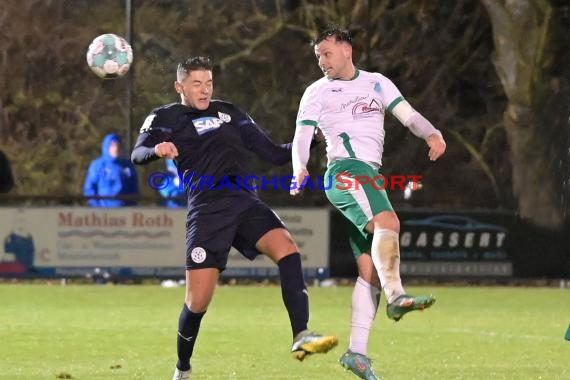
x=192 y=64
x=340 y=35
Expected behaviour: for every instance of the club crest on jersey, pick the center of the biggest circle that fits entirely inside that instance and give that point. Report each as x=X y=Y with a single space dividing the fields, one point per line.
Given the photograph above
x=207 y=124
x=377 y=87
x=225 y=117
x=361 y=110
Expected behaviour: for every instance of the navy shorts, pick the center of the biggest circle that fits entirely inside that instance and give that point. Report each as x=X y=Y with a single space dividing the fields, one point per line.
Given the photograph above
x=211 y=233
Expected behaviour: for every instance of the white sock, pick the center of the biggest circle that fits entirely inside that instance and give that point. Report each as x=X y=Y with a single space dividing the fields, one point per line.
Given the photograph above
x=386 y=257
x=364 y=305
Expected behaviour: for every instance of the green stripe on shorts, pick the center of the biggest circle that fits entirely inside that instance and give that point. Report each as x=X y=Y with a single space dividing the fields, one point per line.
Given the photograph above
x=357 y=191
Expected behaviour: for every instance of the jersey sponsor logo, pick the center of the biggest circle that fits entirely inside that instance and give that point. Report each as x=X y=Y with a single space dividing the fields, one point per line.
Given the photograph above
x=377 y=87
x=362 y=110
x=147 y=123
x=355 y=100
x=198 y=255
x=207 y=124
x=225 y=117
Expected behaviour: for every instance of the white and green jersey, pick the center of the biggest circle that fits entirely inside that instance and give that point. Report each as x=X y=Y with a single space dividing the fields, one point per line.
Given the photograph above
x=350 y=113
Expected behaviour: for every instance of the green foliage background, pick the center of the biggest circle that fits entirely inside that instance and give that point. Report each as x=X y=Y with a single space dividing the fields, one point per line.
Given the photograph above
x=54 y=111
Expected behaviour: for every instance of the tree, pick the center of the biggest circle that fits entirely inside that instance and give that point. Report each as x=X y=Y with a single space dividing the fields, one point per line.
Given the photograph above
x=531 y=65
x=54 y=112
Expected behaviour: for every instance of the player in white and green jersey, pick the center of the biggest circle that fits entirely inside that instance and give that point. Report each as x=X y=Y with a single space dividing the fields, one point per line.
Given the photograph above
x=348 y=105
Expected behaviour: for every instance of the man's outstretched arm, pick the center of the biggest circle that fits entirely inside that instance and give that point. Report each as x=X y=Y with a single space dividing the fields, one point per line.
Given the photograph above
x=421 y=127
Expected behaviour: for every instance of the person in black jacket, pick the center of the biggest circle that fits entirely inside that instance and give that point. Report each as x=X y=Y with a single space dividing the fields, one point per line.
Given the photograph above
x=6 y=177
x=207 y=138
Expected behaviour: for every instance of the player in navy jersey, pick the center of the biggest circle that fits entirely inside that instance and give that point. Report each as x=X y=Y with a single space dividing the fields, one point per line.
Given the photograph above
x=207 y=140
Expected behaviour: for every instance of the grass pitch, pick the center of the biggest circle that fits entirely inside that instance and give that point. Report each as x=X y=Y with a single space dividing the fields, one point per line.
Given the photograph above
x=128 y=332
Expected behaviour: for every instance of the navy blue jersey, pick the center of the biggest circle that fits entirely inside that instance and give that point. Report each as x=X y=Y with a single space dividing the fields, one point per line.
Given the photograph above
x=211 y=147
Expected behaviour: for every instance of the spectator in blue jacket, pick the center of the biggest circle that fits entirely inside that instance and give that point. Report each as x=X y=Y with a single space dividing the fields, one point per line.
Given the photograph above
x=111 y=175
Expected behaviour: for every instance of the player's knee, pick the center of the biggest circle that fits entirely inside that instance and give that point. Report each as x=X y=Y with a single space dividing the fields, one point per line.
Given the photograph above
x=375 y=281
x=366 y=270
x=290 y=247
x=386 y=220
x=287 y=242
x=198 y=308
x=197 y=304
x=277 y=244
x=283 y=251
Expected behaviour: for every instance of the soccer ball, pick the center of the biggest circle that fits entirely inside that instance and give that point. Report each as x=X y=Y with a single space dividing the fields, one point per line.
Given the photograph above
x=109 y=56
